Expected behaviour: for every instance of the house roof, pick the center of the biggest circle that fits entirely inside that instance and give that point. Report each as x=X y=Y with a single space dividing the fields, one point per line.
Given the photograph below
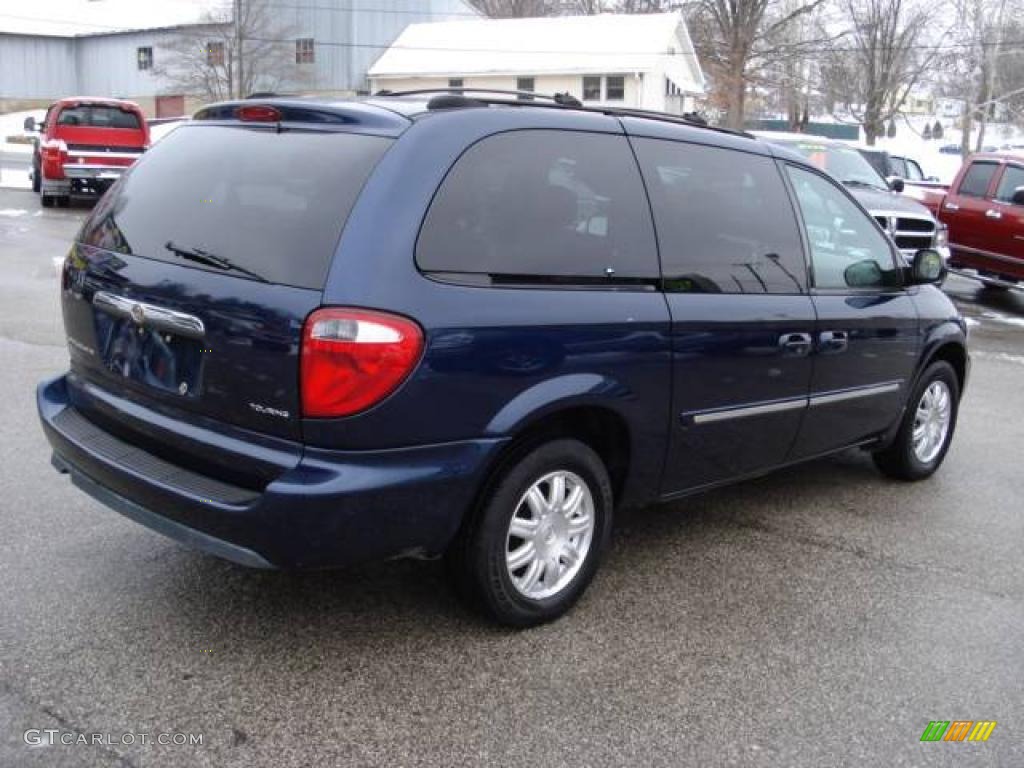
x=605 y=43
x=81 y=18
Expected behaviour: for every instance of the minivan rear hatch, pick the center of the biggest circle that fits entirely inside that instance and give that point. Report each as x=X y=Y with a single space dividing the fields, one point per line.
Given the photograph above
x=188 y=286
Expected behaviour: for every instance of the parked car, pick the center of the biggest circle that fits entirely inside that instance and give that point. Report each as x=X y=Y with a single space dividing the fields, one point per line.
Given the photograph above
x=892 y=167
x=909 y=223
x=950 y=149
x=307 y=334
x=984 y=210
x=85 y=145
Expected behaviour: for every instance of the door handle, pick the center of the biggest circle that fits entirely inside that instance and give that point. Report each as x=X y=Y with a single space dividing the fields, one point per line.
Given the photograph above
x=951 y=207
x=833 y=342
x=991 y=213
x=798 y=344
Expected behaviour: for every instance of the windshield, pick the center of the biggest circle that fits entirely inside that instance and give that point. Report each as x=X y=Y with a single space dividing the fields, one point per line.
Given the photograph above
x=845 y=163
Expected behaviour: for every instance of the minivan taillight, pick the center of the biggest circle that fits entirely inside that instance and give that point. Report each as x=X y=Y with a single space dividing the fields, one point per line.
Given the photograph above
x=354 y=358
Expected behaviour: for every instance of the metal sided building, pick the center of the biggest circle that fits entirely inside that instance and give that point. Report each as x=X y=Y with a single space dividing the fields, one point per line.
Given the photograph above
x=55 y=48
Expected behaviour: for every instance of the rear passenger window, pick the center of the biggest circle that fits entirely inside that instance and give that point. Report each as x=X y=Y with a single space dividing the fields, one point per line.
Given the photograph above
x=540 y=203
x=976 y=180
x=724 y=220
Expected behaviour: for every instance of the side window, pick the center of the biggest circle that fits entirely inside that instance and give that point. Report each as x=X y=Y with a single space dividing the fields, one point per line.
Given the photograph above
x=976 y=180
x=847 y=251
x=724 y=220
x=1013 y=179
x=899 y=167
x=914 y=172
x=541 y=203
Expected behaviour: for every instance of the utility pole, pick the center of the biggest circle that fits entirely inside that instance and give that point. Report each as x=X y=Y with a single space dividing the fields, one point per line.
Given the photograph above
x=238 y=47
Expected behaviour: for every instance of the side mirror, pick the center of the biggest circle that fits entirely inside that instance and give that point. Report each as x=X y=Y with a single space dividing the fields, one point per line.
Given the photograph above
x=30 y=124
x=928 y=267
x=895 y=183
x=863 y=274
x=1018 y=196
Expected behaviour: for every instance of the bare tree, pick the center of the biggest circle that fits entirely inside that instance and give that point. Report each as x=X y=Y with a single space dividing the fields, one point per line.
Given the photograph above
x=735 y=39
x=882 y=59
x=508 y=9
x=234 y=52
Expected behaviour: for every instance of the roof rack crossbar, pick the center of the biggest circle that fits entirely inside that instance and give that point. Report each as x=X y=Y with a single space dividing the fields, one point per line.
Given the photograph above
x=558 y=98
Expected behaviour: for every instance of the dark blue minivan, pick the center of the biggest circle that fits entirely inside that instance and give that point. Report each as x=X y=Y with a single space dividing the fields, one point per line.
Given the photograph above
x=308 y=334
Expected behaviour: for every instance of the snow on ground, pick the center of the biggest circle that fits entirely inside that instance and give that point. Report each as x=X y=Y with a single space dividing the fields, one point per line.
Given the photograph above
x=908 y=143
x=12 y=124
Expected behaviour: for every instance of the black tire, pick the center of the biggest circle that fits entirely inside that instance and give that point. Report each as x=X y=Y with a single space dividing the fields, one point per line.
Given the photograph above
x=37 y=182
x=899 y=459
x=477 y=558
x=48 y=201
x=63 y=201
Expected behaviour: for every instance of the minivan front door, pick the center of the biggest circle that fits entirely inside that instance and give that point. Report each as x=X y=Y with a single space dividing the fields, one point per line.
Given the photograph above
x=866 y=335
x=742 y=322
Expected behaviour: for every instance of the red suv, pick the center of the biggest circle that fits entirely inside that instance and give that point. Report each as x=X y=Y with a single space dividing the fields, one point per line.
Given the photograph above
x=86 y=144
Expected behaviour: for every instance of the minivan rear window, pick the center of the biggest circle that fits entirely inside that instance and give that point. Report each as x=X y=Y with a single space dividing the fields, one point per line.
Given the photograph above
x=272 y=204
x=94 y=116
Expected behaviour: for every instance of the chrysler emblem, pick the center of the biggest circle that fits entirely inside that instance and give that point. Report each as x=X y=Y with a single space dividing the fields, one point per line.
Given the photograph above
x=138 y=314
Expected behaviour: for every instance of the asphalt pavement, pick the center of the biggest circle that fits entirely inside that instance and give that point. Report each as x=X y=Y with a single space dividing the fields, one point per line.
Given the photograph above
x=821 y=616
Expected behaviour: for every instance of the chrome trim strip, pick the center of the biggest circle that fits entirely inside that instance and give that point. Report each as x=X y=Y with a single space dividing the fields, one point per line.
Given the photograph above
x=99 y=153
x=709 y=417
x=150 y=315
x=853 y=394
x=723 y=414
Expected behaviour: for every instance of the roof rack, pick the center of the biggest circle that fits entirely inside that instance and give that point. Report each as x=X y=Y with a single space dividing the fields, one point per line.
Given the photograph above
x=449 y=98
x=562 y=99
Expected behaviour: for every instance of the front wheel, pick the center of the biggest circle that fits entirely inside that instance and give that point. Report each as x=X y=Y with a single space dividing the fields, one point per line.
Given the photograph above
x=534 y=545
x=927 y=427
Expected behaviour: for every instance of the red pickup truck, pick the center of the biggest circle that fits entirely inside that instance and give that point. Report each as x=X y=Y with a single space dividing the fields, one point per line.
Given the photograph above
x=85 y=145
x=984 y=210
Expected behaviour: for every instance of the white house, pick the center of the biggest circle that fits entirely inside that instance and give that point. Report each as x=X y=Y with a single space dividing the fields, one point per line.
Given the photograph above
x=634 y=60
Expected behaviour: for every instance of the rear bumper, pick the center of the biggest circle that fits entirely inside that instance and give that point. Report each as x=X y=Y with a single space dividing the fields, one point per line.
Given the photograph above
x=331 y=509
x=99 y=172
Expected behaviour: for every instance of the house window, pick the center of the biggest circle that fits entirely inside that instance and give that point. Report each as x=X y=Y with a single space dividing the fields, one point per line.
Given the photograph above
x=591 y=88
x=215 y=54
x=455 y=82
x=525 y=84
x=144 y=57
x=304 y=51
x=615 y=88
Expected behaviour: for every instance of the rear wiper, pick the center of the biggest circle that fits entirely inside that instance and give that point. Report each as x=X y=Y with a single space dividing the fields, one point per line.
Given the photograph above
x=211 y=260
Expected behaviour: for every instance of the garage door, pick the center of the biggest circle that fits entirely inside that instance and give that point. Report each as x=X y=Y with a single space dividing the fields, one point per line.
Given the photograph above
x=170 y=106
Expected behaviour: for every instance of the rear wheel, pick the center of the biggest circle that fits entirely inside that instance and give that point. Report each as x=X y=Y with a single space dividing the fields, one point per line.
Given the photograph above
x=63 y=201
x=48 y=201
x=535 y=542
x=927 y=427
x=37 y=182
